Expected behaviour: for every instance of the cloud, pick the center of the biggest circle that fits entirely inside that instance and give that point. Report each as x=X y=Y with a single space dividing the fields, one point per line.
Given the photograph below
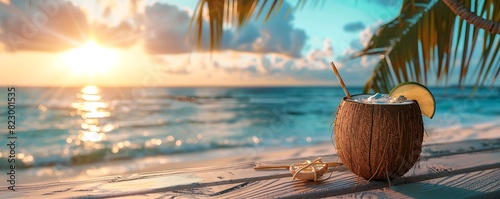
x=49 y=25
x=321 y=56
x=123 y=35
x=55 y=25
x=354 y=26
x=175 y=67
x=361 y=42
x=249 y=65
x=272 y=68
x=167 y=26
x=278 y=35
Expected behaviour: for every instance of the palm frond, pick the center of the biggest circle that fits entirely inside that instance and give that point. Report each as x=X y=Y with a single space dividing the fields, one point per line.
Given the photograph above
x=429 y=42
x=233 y=12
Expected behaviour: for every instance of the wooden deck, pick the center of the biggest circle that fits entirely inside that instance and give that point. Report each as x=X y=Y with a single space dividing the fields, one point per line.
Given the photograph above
x=452 y=170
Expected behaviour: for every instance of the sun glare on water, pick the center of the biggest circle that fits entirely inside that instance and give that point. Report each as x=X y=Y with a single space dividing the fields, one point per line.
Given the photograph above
x=91 y=58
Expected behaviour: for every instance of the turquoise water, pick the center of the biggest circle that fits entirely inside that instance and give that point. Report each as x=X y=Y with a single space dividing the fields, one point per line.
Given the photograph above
x=76 y=126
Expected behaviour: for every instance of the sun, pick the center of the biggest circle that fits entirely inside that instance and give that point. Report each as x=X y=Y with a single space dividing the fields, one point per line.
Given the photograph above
x=91 y=58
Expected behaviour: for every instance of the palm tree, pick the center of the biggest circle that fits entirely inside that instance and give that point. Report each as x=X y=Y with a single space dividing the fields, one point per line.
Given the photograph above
x=426 y=41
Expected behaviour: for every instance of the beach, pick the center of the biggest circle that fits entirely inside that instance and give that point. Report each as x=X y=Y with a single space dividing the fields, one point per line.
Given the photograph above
x=456 y=157
x=186 y=128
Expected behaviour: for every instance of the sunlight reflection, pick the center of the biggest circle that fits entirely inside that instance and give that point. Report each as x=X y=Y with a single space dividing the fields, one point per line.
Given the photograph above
x=91 y=136
x=91 y=90
x=92 y=109
x=42 y=108
x=92 y=97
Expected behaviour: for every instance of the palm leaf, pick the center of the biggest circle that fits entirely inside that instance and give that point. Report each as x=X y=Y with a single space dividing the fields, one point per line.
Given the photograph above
x=234 y=12
x=429 y=42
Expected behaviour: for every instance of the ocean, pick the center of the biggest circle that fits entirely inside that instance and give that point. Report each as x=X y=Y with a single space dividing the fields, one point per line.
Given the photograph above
x=58 y=130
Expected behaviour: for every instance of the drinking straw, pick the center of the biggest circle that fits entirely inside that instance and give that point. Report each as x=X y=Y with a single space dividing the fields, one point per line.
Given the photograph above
x=340 y=80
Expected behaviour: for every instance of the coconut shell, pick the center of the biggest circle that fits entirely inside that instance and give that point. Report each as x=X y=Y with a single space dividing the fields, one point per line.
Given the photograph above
x=378 y=141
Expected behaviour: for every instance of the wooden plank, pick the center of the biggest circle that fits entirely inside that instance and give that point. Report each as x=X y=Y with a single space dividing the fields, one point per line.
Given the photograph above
x=231 y=180
x=479 y=184
x=462 y=147
x=405 y=181
x=426 y=169
x=346 y=182
x=340 y=183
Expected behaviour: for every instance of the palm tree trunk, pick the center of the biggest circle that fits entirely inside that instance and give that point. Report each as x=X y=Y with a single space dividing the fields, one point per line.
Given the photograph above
x=464 y=13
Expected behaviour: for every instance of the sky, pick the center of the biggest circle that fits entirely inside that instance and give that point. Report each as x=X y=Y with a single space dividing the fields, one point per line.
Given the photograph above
x=144 y=43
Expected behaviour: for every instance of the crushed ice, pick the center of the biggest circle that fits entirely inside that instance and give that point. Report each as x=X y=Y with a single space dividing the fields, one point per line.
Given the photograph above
x=381 y=99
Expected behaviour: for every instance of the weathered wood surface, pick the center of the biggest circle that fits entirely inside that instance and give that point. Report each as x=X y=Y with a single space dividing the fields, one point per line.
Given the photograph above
x=470 y=169
x=455 y=186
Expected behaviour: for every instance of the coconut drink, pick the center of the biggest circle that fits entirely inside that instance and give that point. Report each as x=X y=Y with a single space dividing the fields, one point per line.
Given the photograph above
x=380 y=136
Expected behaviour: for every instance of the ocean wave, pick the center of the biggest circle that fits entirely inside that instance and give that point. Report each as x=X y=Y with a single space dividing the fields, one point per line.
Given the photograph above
x=108 y=154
